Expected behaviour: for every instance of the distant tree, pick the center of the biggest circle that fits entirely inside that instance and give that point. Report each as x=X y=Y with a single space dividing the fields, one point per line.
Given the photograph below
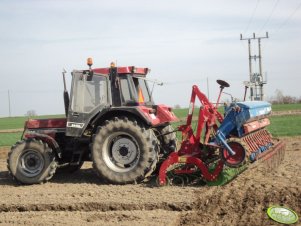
x=177 y=106
x=289 y=100
x=279 y=98
x=31 y=113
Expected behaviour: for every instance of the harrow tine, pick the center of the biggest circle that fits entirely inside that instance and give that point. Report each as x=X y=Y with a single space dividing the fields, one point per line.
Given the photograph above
x=274 y=156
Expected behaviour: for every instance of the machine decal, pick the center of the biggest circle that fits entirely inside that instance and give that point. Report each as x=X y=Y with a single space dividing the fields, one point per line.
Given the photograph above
x=75 y=125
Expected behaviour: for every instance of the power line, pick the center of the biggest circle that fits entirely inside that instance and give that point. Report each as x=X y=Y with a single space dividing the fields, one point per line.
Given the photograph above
x=285 y=21
x=269 y=17
x=288 y=18
x=252 y=16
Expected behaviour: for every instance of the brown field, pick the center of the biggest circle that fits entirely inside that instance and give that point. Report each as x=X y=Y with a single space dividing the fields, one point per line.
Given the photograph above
x=83 y=199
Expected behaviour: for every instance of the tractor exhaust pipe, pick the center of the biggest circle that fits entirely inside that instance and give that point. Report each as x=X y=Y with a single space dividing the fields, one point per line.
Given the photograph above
x=245 y=95
x=66 y=94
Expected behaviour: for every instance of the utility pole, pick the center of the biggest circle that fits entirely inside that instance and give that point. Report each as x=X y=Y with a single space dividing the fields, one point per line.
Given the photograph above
x=256 y=80
x=9 y=110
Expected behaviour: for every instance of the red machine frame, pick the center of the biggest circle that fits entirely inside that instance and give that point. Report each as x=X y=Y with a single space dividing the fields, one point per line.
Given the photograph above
x=190 y=151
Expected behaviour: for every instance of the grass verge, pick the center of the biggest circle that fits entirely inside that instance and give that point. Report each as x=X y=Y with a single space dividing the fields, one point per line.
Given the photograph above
x=8 y=139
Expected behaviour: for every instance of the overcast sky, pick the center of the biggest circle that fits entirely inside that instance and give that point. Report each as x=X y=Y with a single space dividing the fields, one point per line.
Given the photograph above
x=183 y=42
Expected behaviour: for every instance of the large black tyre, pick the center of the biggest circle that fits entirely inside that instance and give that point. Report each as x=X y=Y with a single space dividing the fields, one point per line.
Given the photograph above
x=168 y=139
x=124 y=151
x=31 y=161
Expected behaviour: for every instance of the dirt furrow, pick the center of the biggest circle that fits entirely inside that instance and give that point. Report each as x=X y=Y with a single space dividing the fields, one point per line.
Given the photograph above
x=245 y=200
x=76 y=218
x=84 y=199
x=96 y=206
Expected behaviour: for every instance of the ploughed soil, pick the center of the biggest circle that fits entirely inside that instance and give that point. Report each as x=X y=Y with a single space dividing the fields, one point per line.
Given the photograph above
x=82 y=198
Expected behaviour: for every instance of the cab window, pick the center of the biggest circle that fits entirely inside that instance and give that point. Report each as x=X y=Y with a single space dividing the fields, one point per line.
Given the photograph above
x=88 y=94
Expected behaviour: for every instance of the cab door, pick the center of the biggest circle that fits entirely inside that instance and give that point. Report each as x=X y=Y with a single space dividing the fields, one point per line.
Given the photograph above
x=89 y=95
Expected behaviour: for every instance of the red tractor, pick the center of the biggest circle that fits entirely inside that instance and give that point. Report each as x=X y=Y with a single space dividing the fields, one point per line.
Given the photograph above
x=111 y=120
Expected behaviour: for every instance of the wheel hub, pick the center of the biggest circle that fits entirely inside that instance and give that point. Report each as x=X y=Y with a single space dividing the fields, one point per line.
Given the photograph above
x=238 y=158
x=31 y=163
x=124 y=151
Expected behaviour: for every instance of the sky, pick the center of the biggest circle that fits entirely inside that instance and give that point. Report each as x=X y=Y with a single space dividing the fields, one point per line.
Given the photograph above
x=184 y=43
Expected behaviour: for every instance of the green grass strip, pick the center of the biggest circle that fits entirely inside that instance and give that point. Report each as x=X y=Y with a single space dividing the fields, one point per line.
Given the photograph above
x=8 y=139
x=18 y=122
x=289 y=125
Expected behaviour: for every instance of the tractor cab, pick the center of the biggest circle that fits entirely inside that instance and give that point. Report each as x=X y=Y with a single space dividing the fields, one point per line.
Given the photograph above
x=128 y=85
x=99 y=91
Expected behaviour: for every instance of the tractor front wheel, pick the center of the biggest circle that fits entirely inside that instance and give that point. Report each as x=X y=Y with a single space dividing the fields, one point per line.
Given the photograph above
x=124 y=151
x=31 y=162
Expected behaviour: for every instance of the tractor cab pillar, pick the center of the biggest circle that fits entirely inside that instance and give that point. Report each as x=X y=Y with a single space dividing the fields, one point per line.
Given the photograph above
x=115 y=86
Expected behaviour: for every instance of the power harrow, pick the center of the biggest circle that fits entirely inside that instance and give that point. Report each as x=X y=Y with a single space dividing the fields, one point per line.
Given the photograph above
x=230 y=142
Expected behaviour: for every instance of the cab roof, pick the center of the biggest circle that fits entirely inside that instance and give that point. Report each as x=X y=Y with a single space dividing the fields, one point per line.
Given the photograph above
x=124 y=70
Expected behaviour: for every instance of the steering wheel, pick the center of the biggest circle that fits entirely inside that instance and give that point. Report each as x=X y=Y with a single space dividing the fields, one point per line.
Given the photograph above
x=222 y=83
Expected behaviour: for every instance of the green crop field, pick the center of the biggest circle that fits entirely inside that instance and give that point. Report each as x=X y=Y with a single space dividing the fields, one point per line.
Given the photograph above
x=286 y=107
x=181 y=113
x=18 y=122
x=8 y=139
x=286 y=125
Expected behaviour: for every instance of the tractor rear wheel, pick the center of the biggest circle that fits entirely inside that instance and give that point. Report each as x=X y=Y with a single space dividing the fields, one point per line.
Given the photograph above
x=31 y=161
x=124 y=151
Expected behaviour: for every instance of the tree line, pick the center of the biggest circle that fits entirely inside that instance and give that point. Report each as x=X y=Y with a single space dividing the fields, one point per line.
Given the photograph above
x=280 y=98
